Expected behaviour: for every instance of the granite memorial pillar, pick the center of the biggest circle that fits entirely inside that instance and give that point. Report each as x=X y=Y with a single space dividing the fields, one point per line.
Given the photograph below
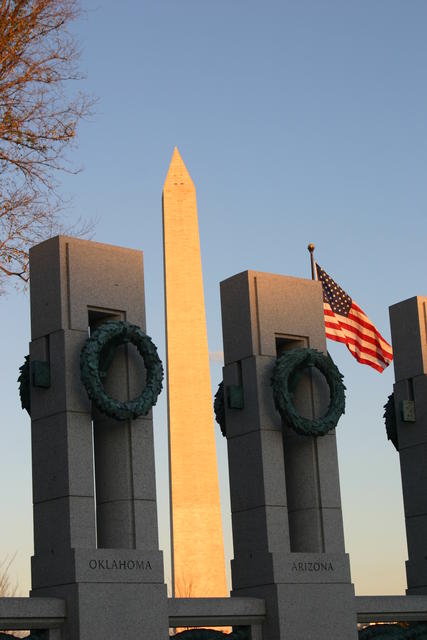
x=285 y=497
x=408 y=321
x=95 y=519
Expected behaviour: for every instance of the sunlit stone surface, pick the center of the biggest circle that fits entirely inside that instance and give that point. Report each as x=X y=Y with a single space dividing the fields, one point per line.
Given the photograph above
x=198 y=552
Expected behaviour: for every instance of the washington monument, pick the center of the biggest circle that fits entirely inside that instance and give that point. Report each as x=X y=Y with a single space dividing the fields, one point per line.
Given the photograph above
x=198 y=564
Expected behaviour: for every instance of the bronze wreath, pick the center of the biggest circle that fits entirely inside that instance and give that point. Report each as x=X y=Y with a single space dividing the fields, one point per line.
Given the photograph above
x=283 y=381
x=96 y=356
x=34 y=635
x=212 y=634
x=390 y=421
x=395 y=631
x=219 y=407
x=24 y=385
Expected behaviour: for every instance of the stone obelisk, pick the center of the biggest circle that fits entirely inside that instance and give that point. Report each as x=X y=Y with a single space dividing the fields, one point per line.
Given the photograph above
x=197 y=543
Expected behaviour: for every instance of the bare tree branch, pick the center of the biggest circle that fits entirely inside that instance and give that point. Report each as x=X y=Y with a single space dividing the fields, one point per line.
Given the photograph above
x=38 y=123
x=7 y=587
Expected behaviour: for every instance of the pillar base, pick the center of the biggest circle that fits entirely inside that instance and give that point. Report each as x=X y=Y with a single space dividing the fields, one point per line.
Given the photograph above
x=96 y=611
x=307 y=611
x=109 y=592
x=308 y=595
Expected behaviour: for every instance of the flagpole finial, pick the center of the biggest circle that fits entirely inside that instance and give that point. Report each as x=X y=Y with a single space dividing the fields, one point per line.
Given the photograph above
x=311 y=248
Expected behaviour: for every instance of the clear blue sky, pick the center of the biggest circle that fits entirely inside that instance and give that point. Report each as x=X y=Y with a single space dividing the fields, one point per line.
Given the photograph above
x=300 y=121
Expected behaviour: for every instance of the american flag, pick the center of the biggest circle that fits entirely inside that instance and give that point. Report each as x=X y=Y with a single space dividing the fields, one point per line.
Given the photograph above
x=346 y=322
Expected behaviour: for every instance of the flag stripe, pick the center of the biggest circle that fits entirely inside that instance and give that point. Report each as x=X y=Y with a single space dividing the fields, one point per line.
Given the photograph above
x=356 y=347
x=352 y=327
x=372 y=361
x=355 y=321
x=364 y=321
x=369 y=340
x=337 y=327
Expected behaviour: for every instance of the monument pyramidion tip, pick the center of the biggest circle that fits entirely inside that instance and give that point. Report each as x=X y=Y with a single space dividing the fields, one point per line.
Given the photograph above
x=178 y=176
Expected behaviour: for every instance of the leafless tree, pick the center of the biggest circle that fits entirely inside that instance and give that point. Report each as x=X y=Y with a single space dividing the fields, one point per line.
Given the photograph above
x=7 y=587
x=38 y=122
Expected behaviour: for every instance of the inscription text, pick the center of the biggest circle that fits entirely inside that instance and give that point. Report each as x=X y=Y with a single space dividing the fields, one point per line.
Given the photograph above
x=312 y=566
x=121 y=565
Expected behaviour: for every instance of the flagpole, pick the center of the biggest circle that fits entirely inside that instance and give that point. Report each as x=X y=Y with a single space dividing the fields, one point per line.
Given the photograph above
x=311 y=248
